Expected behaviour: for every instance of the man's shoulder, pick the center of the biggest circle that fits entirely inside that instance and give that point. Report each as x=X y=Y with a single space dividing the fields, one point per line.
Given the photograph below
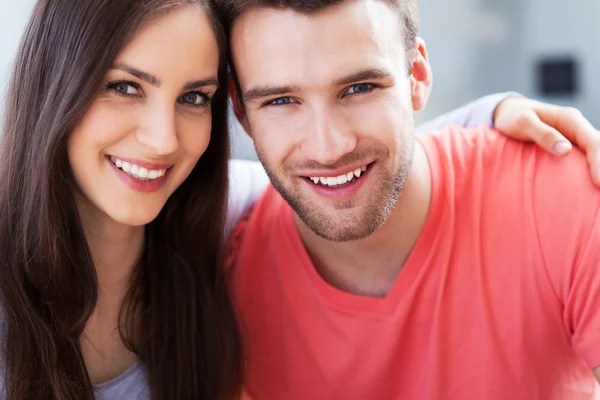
x=464 y=146
x=517 y=178
x=483 y=150
x=566 y=207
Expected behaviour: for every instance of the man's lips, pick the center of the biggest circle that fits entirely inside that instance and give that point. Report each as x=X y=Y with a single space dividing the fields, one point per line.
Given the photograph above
x=343 y=170
x=332 y=188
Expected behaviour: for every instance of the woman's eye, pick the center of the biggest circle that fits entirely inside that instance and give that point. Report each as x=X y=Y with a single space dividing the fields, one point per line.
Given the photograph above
x=124 y=88
x=194 y=99
x=281 y=101
x=359 y=88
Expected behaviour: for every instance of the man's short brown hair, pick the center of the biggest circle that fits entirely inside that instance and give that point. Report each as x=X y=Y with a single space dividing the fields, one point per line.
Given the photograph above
x=407 y=11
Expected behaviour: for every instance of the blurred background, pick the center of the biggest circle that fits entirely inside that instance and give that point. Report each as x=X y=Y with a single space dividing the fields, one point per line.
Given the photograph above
x=544 y=49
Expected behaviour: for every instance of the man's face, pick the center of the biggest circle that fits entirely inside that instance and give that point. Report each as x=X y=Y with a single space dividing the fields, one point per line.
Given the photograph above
x=329 y=106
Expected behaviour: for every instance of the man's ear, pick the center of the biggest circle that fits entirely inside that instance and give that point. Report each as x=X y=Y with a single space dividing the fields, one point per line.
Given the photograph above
x=238 y=108
x=421 y=77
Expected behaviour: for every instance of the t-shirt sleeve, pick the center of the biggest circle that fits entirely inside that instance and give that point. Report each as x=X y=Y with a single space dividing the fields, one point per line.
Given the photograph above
x=582 y=309
x=247 y=182
x=567 y=212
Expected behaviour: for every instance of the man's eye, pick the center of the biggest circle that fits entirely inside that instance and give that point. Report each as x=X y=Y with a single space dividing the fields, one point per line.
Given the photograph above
x=359 y=88
x=281 y=101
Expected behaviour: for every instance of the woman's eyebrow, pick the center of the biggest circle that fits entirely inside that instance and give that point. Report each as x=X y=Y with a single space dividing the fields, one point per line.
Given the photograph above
x=151 y=79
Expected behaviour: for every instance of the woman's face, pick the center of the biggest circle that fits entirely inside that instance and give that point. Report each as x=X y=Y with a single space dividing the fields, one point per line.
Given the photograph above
x=151 y=119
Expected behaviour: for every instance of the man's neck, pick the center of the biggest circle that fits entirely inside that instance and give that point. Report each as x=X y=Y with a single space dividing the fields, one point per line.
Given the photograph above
x=369 y=267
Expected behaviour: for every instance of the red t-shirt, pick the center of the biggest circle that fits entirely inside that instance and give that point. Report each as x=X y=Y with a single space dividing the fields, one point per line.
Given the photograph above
x=499 y=299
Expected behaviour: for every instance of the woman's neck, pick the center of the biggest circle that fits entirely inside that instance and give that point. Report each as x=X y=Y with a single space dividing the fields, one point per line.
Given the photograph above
x=116 y=250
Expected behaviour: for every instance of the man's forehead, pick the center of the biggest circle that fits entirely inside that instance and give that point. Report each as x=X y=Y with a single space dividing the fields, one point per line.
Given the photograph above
x=268 y=43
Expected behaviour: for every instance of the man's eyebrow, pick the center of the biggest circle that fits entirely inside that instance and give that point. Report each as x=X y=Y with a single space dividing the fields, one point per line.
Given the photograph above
x=259 y=92
x=151 y=79
x=371 y=73
x=200 y=83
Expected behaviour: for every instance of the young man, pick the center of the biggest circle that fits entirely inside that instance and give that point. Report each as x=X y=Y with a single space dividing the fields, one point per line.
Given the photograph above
x=461 y=265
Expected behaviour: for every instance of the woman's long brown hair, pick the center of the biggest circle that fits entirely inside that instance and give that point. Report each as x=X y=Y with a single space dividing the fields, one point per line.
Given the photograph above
x=177 y=315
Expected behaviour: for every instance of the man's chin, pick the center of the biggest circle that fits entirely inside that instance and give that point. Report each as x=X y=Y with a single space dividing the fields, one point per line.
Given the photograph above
x=340 y=220
x=347 y=228
x=344 y=236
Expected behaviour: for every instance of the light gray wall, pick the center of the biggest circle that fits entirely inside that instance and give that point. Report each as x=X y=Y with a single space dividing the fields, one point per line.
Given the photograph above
x=543 y=29
x=455 y=31
x=501 y=64
x=558 y=27
x=13 y=17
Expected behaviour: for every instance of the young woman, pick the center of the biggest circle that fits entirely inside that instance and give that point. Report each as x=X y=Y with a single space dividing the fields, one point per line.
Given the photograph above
x=114 y=156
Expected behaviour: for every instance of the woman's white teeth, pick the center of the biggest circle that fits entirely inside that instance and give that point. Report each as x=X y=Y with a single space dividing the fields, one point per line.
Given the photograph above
x=138 y=172
x=339 y=180
x=143 y=173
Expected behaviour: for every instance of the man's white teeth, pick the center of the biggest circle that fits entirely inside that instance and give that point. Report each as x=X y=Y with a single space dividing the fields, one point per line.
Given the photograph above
x=339 y=180
x=138 y=172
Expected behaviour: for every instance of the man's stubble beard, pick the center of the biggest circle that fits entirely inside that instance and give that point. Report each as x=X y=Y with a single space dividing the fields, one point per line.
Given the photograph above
x=350 y=226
